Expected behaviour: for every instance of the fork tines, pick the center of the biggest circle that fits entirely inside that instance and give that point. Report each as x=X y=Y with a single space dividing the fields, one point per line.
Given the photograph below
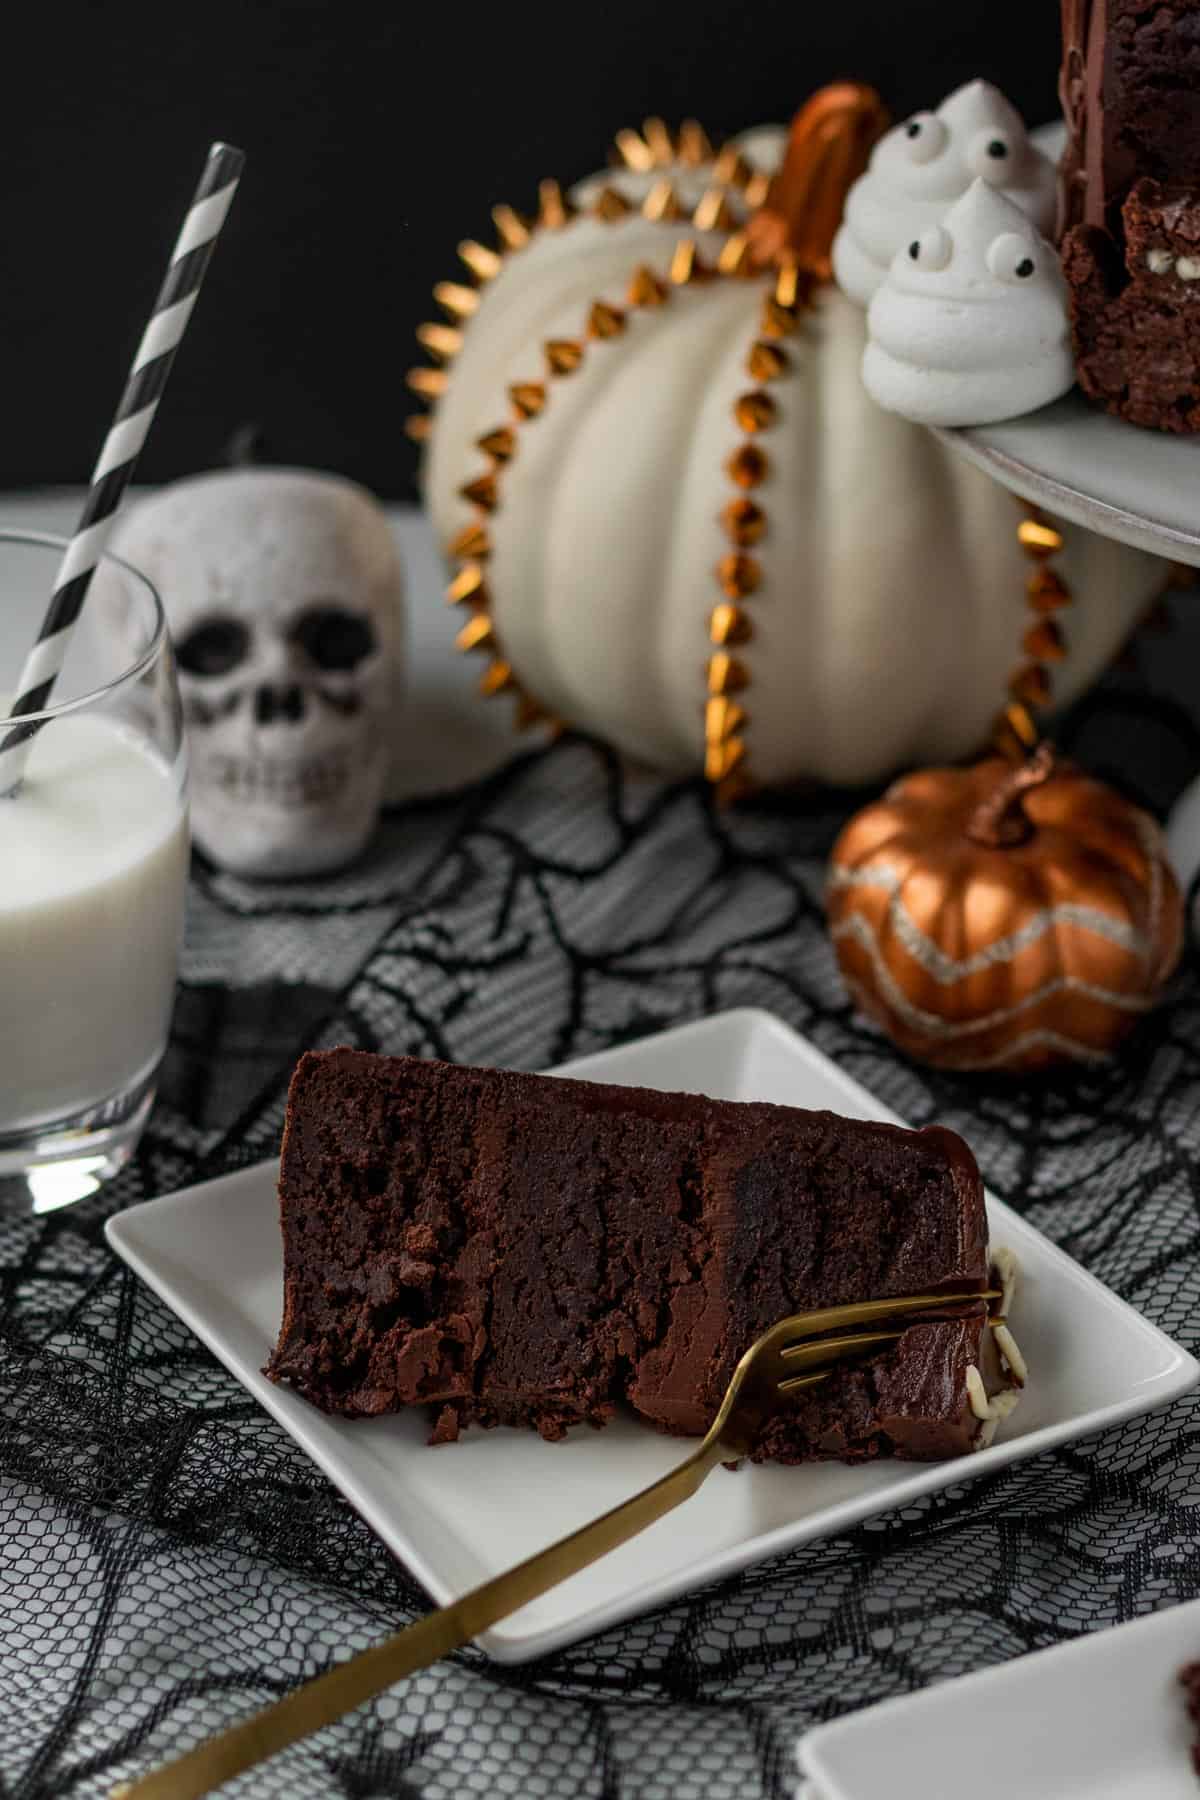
x=821 y=1346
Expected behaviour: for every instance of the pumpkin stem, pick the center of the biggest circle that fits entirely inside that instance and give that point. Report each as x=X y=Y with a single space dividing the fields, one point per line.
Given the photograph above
x=828 y=145
x=1000 y=821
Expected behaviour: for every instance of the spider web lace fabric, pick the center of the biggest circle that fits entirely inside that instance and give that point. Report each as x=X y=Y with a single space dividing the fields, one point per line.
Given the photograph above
x=171 y=1561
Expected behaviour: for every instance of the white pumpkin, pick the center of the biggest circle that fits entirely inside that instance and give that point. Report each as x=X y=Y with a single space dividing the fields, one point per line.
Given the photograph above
x=863 y=609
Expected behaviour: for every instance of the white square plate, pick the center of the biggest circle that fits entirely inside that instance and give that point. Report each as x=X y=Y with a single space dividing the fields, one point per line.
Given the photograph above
x=461 y=1513
x=1100 y=1718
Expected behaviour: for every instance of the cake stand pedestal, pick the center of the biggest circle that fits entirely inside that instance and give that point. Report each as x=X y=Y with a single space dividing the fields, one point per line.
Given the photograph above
x=1139 y=487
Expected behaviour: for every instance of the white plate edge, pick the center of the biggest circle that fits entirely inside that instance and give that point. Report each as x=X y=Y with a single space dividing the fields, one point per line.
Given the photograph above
x=936 y=1693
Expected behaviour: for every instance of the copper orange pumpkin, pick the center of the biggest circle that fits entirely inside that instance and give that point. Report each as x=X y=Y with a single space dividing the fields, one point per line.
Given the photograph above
x=1000 y=918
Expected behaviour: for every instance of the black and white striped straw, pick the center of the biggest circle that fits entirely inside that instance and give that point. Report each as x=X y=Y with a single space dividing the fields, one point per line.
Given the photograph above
x=118 y=458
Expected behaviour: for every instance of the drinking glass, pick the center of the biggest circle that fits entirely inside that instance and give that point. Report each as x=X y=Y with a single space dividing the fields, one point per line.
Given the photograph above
x=93 y=873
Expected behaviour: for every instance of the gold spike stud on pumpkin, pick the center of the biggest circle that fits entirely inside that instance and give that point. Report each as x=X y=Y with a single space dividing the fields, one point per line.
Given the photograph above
x=511 y=227
x=757 y=189
x=429 y=382
x=476 y=634
x=659 y=142
x=754 y=411
x=443 y=340
x=459 y=301
x=734 y=256
x=661 y=204
x=500 y=444
x=563 y=355
x=482 y=262
x=467 y=588
x=497 y=678
x=645 y=289
x=471 y=544
x=744 y=521
x=766 y=362
x=553 y=209
x=686 y=265
x=1004 y=918
x=731 y=168
x=725 y=674
x=694 y=145
x=713 y=211
x=634 y=151
x=605 y=321
x=610 y=204
x=528 y=398
x=481 y=492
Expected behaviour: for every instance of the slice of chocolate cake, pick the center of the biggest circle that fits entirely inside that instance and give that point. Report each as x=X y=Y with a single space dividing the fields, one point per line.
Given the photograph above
x=524 y=1249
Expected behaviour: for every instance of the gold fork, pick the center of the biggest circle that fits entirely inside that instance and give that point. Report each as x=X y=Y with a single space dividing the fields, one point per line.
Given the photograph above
x=797 y=1353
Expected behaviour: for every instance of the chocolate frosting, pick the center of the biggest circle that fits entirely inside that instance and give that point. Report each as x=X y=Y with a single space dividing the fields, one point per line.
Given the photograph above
x=1129 y=85
x=515 y=1248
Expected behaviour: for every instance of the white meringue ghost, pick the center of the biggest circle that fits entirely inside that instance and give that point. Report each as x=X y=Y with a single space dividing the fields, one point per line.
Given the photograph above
x=970 y=325
x=923 y=166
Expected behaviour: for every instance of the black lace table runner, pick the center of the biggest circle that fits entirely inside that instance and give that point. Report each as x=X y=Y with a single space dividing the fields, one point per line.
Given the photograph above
x=171 y=1561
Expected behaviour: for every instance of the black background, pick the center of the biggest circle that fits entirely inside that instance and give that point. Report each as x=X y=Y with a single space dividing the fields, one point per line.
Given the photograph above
x=377 y=138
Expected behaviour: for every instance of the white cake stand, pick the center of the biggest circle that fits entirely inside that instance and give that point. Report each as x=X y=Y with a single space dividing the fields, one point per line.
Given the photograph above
x=1140 y=487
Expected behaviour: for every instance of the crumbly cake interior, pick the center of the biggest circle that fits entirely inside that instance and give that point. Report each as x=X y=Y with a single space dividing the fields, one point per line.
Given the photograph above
x=511 y=1248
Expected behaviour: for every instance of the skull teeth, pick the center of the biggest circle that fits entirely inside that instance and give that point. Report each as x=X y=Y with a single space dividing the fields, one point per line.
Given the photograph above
x=293 y=785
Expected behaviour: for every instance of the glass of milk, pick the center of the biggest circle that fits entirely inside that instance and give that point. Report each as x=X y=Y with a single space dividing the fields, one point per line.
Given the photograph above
x=93 y=871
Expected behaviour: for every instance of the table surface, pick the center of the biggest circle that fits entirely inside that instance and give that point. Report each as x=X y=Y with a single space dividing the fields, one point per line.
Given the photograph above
x=170 y=1560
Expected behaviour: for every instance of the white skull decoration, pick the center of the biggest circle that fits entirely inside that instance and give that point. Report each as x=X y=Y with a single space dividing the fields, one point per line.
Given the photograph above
x=283 y=591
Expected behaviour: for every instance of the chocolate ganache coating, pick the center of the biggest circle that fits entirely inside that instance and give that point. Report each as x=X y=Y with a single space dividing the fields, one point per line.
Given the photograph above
x=1129 y=205
x=522 y=1249
x=1136 y=319
x=1130 y=92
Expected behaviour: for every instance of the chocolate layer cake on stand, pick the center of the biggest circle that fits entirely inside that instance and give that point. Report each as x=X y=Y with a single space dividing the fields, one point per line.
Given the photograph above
x=1129 y=205
x=522 y=1249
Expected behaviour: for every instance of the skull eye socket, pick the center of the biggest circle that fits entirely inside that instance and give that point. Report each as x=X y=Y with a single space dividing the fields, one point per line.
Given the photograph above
x=332 y=638
x=214 y=647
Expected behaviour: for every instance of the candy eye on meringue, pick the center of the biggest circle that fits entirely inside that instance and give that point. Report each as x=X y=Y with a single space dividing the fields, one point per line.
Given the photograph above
x=933 y=249
x=1159 y=262
x=990 y=154
x=1010 y=258
x=924 y=137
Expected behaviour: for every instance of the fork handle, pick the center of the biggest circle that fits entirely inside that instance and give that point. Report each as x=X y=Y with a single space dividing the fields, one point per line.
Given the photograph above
x=328 y=1697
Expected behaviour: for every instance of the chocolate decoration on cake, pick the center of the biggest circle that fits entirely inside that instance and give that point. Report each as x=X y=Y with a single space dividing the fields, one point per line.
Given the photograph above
x=1130 y=92
x=1129 y=205
x=520 y=1249
x=1079 y=175
x=1136 y=321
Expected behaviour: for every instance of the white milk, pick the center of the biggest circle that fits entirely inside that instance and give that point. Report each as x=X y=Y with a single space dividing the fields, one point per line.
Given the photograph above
x=93 y=863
